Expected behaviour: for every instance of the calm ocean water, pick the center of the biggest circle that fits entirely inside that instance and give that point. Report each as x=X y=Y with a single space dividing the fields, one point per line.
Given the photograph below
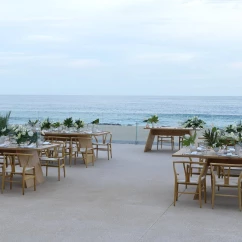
x=124 y=110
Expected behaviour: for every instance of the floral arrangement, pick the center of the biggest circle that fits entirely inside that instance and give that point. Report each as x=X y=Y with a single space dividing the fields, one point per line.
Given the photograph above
x=4 y=130
x=194 y=123
x=22 y=134
x=56 y=125
x=189 y=139
x=79 y=124
x=68 y=122
x=46 y=124
x=96 y=121
x=152 y=119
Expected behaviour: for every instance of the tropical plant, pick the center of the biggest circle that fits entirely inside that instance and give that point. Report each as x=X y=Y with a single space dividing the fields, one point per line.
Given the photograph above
x=194 y=123
x=33 y=123
x=68 y=122
x=56 y=125
x=79 y=124
x=96 y=121
x=152 y=119
x=4 y=130
x=212 y=136
x=46 y=124
x=189 y=139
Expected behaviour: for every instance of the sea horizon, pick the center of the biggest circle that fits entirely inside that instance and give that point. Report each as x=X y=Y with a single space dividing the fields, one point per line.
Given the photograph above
x=115 y=109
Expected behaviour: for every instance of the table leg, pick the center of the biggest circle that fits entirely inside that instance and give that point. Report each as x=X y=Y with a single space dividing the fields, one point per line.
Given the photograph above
x=196 y=196
x=34 y=161
x=70 y=152
x=149 y=142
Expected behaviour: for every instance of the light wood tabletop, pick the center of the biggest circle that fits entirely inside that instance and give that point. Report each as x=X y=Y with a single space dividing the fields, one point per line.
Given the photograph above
x=210 y=156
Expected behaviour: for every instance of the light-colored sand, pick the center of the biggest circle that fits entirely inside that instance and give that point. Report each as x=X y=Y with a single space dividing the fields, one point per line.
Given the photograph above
x=126 y=199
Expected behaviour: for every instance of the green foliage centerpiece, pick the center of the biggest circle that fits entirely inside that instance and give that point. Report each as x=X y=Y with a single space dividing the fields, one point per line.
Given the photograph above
x=4 y=130
x=46 y=124
x=189 y=140
x=56 y=125
x=153 y=120
x=96 y=121
x=194 y=123
x=33 y=123
x=68 y=122
x=79 y=124
x=212 y=137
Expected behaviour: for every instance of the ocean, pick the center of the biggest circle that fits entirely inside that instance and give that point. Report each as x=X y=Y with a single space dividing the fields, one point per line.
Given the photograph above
x=123 y=110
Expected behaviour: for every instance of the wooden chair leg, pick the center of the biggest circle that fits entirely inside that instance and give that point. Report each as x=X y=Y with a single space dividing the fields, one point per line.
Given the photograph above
x=97 y=151
x=175 y=194
x=213 y=195
x=23 y=183
x=108 y=152
x=110 y=146
x=3 y=178
x=64 y=169
x=11 y=181
x=177 y=187
x=200 y=194
x=46 y=170
x=239 y=195
x=34 y=179
x=205 y=191
x=58 y=170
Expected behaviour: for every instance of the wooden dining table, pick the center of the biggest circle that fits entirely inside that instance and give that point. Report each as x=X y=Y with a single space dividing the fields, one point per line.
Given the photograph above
x=209 y=156
x=70 y=136
x=169 y=131
x=34 y=160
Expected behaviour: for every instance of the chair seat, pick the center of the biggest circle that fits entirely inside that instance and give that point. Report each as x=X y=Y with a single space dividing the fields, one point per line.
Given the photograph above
x=82 y=150
x=192 y=180
x=50 y=158
x=101 y=144
x=232 y=182
x=18 y=169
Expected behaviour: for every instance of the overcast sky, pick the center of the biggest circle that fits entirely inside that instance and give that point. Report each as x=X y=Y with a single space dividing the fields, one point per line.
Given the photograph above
x=132 y=47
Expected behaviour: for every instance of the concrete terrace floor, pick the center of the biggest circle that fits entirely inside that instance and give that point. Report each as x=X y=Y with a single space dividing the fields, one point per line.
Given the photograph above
x=128 y=198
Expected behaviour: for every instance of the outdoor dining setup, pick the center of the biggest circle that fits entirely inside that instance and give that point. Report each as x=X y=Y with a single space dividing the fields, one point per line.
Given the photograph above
x=214 y=156
x=26 y=149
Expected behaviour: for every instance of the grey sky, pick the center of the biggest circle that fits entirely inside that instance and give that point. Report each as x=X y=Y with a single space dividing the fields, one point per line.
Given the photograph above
x=133 y=47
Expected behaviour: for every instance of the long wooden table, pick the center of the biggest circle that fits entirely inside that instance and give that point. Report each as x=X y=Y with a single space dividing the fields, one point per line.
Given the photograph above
x=34 y=161
x=170 y=131
x=72 y=135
